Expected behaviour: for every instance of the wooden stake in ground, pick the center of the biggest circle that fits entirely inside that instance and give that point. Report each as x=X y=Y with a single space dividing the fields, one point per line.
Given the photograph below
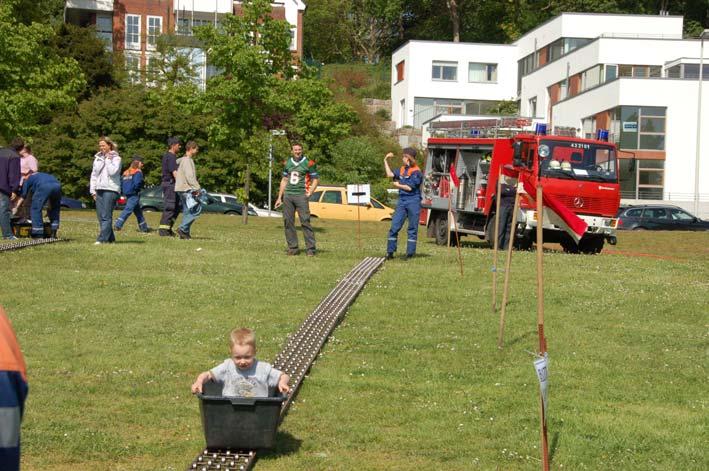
x=495 y=246
x=540 y=320
x=457 y=243
x=508 y=263
x=359 y=227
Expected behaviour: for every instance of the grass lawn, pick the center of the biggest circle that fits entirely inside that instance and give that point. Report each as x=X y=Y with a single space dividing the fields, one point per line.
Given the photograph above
x=114 y=335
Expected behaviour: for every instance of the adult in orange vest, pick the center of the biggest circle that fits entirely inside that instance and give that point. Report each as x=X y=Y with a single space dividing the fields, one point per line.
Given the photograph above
x=13 y=392
x=408 y=180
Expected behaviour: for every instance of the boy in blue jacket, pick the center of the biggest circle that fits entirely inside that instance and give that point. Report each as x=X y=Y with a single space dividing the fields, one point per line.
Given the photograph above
x=131 y=184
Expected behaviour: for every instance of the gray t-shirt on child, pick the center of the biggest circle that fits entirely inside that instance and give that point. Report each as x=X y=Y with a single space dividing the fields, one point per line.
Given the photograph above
x=258 y=381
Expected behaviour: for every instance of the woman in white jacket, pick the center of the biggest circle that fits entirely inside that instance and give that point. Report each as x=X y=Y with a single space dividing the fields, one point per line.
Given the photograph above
x=105 y=187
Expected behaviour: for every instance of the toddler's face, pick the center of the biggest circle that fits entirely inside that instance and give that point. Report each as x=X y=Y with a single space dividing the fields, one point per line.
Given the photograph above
x=243 y=356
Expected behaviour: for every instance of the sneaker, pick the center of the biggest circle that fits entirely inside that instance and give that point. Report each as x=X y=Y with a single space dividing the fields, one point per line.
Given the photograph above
x=98 y=243
x=183 y=235
x=409 y=256
x=12 y=237
x=390 y=256
x=293 y=252
x=165 y=232
x=117 y=228
x=310 y=253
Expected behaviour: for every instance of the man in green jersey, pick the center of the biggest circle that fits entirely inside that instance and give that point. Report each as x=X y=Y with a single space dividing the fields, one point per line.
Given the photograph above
x=300 y=179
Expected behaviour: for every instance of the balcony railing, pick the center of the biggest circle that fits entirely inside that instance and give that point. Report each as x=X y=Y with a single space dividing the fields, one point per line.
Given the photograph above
x=92 y=5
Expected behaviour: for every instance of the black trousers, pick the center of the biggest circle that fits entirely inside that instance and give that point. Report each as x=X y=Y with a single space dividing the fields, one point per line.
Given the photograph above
x=171 y=206
x=506 y=208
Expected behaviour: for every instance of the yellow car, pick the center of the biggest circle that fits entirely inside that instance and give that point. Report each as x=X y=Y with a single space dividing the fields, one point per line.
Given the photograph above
x=330 y=202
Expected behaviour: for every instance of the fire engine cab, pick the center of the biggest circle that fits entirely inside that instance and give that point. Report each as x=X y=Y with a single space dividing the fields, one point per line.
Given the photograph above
x=582 y=174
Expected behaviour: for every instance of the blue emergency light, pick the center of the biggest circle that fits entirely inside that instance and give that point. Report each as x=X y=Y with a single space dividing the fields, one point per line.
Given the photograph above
x=602 y=135
x=540 y=129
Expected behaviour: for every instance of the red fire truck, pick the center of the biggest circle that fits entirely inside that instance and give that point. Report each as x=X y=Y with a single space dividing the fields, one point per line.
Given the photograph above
x=580 y=173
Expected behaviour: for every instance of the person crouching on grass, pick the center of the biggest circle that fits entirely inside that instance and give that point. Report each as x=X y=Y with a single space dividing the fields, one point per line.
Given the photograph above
x=131 y=184
x=187 y=186
x=243 y=375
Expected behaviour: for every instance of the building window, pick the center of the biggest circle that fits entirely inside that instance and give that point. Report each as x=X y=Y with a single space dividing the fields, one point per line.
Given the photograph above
x=185 y=26
x=400 y=71
x=132 y=62
x=563 y=89
x=293 y=45
x=445 y=71
x=154 y=30
x=533 y=107
x=482 y=72
x=611 y=72
x=104 y=29
x=639 y=71
x=591 y=77
x=642 y=127
x=642 y=178
x=132 y=31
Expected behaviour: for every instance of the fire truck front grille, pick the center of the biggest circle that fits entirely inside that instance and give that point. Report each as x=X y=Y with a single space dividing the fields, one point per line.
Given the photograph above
x=587 y=204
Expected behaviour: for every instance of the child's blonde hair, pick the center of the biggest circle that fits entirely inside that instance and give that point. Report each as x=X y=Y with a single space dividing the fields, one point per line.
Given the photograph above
x=242 y=336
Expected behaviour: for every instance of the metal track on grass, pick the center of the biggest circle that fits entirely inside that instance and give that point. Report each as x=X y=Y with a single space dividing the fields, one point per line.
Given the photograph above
x=7 y=245
x=298 y=355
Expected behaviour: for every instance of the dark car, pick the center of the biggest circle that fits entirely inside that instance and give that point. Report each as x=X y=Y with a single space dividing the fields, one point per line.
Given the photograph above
x=151 y=200
x=659 y=217
x=71 y=203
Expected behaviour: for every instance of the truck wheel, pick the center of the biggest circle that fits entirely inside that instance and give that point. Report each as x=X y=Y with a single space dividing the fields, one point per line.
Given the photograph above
x=490 y=230
x=568 y=244
x=591 y=245
x=441 y=230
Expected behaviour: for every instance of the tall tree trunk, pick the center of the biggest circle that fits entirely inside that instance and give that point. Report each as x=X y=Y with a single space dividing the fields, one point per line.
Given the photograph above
x=247 y=188
x=455 y=18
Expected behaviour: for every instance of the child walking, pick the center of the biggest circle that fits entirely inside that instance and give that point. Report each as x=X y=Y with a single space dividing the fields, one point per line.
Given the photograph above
x=131 y=184
x=243 y=375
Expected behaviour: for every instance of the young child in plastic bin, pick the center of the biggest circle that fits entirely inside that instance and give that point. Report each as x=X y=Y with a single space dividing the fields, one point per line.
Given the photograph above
x=243 y=375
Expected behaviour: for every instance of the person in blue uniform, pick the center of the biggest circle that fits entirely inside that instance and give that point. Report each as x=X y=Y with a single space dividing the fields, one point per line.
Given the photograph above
x=45 y=189
x=407 y=179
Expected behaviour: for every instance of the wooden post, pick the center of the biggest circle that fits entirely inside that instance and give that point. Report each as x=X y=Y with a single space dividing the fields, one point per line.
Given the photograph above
x=448 y=219
x=508 y=263
x=359 y=227
x=495 y=242
x=540 y=320
x=457 y=240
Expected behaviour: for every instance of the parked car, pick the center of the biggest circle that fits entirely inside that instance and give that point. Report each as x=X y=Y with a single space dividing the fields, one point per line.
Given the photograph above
x=253 y=209
x=659 y=217
x=71 y=203
x=330 y=202
x=151 y=200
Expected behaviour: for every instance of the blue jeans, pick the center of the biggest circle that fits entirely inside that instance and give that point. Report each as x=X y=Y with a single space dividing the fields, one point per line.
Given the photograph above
x=405 y=209
x=45 y=193
x=5 y=216
x=132 y=206
x=105 y=202
x=188 y=215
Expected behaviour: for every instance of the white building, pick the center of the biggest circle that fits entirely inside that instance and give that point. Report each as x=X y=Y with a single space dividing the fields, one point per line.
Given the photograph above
x=631 y=74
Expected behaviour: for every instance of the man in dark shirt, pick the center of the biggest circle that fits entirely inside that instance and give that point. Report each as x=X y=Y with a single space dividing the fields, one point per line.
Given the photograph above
x=171 y=204
x=9 y=183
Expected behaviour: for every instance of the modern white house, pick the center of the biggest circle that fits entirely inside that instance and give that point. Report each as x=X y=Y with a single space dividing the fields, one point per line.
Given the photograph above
x=634 y=75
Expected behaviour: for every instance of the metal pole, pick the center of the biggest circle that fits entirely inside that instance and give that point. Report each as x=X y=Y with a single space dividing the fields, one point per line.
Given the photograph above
x=699 y=125
x=270 y=172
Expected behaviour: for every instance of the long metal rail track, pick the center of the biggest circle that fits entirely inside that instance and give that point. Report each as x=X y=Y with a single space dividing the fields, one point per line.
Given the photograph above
x=7 y=245
x=298 y=355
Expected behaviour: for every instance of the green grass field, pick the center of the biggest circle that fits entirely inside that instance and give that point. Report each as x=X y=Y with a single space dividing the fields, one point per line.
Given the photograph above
x=412 y=379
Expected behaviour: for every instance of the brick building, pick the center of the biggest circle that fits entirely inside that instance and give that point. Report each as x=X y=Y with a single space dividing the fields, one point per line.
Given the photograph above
x=133 y=26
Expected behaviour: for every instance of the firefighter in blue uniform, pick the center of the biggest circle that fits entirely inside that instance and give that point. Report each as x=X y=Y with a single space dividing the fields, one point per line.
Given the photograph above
x=44 y=188
x=408 y=180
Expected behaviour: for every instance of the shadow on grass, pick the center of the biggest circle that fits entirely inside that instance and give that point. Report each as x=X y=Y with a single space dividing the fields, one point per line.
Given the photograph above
x=286 y=444
x=519 y=338
x=554 y=444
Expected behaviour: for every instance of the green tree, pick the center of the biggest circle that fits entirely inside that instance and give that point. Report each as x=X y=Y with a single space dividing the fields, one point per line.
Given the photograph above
x=35 y=80
x=253 y=51
x=89 y=52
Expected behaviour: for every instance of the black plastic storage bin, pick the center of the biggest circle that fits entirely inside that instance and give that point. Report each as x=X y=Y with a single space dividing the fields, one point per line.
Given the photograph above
x=238 y=423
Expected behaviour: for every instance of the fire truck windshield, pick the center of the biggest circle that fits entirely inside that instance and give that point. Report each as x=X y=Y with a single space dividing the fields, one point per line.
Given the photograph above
x=577 y=161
